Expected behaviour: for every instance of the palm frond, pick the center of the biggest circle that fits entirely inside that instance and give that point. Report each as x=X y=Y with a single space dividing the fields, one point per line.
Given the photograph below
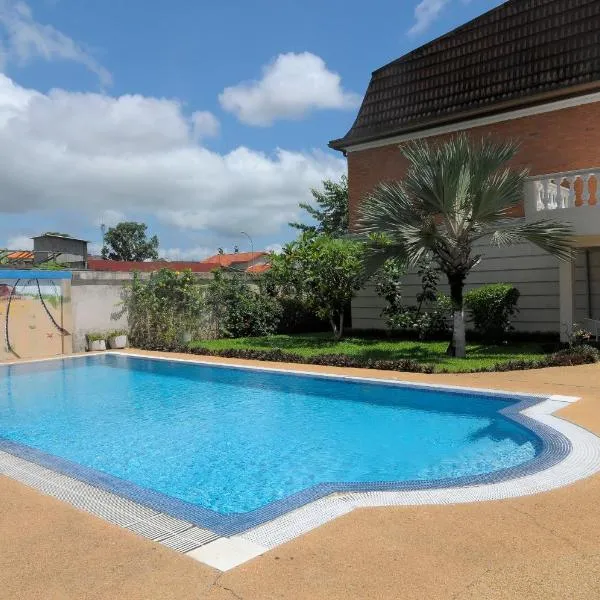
x=439 y=177
x=554 y=237
x=500 y=192
x=391 y=213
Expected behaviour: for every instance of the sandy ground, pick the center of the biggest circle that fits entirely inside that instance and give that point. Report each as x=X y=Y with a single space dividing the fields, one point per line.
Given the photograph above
x=539 y=547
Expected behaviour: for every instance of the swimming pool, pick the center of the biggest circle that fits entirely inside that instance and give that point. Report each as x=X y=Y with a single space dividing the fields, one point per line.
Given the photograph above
x=229 y=448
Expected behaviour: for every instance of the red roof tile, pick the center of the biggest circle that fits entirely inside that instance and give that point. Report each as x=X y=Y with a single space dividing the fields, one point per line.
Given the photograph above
x=226 y=260
x=262 y=268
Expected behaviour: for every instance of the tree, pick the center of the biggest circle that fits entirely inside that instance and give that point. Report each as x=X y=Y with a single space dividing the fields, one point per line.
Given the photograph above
x=238 y=308
x=331 y=213
x=128 y=241
x=323 y=272
x=452 y=196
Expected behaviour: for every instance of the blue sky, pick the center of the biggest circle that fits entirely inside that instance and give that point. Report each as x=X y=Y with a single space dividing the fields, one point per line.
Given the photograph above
x=201 y=119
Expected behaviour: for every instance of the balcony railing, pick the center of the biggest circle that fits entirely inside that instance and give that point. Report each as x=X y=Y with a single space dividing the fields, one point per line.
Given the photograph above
x=572 y=196
x=559 y=191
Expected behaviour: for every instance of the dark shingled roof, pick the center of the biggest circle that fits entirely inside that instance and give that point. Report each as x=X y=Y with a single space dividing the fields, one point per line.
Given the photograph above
x=517 y=55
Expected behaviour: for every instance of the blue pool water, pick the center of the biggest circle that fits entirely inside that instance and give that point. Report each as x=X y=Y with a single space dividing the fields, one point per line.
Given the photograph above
x=234 y=440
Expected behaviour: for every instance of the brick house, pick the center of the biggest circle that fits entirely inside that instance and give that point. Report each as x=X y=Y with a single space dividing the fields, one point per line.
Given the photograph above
x=528 y=70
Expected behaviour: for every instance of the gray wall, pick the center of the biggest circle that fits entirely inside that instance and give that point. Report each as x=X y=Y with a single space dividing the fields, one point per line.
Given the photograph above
x=95 y=299
x=532 y=271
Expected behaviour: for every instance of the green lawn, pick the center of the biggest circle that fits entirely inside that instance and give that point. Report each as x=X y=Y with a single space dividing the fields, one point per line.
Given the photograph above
x=434 y=353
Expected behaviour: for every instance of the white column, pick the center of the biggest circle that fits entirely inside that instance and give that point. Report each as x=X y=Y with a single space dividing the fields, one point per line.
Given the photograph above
x=566 y=278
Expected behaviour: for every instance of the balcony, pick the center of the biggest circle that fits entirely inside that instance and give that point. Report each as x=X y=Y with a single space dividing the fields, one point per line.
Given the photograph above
x=573 y=197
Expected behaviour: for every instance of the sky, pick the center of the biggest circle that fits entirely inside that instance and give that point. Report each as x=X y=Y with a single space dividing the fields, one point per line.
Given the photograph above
x=201 y=119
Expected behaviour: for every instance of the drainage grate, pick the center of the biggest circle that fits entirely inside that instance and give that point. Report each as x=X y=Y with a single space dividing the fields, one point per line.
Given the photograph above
x=174 y=533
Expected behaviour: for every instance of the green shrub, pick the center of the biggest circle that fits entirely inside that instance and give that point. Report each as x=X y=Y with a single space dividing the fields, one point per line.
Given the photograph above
x=388 y=283
x=430 y=318
x=161 y=309
x=492 y=307
x=95 y=336
x=116 y=333
x=568 y=357
x=434 y=322
x=240 y=309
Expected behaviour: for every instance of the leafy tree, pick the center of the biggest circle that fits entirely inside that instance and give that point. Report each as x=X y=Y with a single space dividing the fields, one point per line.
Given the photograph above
x=453 y=195
x=238 y=308
x=331 y=212
x=128 y=241
x=323 y=272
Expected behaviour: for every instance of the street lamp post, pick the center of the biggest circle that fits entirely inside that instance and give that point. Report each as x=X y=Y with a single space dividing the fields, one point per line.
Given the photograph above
x=251 y=247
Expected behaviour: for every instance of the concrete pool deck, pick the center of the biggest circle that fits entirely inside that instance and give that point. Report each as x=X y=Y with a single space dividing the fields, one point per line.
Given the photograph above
x=542 y=546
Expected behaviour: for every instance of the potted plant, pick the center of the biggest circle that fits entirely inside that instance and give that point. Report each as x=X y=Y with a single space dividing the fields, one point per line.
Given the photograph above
x=96 y=341
x=117 y=339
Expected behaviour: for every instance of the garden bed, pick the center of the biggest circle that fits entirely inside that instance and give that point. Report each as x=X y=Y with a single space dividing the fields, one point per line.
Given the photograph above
x=417 y=356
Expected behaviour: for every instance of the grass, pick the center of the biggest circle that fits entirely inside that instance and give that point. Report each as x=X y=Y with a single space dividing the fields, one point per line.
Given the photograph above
x=433 y=353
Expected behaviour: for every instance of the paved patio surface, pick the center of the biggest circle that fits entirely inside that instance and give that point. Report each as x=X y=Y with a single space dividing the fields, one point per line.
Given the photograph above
x=544 y=546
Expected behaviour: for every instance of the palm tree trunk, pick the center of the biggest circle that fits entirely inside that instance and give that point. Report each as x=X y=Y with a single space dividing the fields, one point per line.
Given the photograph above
x=458 y=344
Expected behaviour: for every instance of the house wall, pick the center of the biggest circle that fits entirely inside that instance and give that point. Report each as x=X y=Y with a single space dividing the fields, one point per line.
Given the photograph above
x=531 y=270
x=557 y=141
x=552 y=142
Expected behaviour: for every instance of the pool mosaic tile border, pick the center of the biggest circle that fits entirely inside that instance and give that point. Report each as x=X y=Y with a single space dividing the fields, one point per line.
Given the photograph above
x=568 y=453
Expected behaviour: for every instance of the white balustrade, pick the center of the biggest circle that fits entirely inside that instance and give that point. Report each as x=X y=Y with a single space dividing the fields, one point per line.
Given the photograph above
x=559 y=191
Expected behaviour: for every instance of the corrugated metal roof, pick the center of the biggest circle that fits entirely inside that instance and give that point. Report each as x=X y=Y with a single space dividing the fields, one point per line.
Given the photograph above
x=20 y=255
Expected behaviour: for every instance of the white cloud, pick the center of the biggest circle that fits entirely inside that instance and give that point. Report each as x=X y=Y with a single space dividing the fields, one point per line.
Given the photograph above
x=291 y=86
x=25 y=39
x=19 y=242
x=198 y=253
x=205 y=124
x=91 y=154
x=426 y=12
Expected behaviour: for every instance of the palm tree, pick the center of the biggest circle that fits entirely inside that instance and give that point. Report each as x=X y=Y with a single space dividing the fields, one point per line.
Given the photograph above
x=453 y=195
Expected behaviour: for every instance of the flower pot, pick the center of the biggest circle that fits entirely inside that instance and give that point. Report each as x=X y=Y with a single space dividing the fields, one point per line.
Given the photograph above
x=97 y=345
x=117 y=342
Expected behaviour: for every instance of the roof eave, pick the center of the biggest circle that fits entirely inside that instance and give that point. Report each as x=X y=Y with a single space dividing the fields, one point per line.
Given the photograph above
x=343 y=144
